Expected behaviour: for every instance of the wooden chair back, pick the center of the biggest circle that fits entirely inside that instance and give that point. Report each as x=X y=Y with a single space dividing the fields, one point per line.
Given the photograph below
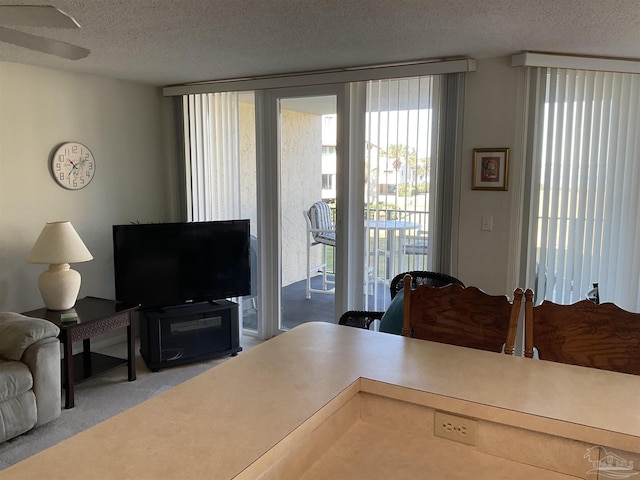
x=464 y=316
x=584 y=333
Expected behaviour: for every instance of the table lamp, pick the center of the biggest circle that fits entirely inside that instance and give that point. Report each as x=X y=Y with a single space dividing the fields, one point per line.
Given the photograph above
x=59 y=245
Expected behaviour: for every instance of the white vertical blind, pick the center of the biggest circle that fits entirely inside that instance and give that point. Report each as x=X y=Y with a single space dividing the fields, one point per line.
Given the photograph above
x=586 y=157
x=212 y=156
x=401 y=151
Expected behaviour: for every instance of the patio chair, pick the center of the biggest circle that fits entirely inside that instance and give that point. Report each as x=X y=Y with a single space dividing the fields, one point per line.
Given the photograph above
x=320 y=231
x=415 y=246
x=393 y=314
x=463 y=316
x=584 y=333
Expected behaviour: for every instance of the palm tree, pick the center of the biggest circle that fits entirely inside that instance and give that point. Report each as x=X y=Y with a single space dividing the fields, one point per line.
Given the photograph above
x=399 y=153
x=423 y=166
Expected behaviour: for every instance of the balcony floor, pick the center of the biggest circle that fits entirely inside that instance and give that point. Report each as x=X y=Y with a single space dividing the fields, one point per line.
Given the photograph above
x=297 y=309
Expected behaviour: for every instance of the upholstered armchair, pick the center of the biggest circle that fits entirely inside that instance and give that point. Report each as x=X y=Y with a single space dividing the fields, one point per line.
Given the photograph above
x=30 y=384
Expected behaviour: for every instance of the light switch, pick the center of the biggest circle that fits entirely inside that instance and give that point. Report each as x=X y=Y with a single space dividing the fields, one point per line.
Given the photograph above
x=487 y=223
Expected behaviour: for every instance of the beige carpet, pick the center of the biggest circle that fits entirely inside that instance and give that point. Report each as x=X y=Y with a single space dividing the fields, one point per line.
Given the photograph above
x=103 y=396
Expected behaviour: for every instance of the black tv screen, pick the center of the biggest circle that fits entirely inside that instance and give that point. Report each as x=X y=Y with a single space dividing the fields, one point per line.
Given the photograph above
x=167 y=264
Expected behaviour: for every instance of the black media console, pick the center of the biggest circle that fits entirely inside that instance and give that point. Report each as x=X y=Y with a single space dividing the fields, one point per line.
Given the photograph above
x=188 y=333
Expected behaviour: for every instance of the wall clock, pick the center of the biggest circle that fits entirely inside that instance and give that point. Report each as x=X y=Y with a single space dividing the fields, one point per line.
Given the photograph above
x=73 y=165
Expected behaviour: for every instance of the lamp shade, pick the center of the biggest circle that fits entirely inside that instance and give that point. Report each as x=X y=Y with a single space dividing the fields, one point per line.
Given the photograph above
x=59 y=243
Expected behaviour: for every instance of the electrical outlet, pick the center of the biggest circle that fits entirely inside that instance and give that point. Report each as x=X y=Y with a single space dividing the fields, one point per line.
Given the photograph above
x=459 y=429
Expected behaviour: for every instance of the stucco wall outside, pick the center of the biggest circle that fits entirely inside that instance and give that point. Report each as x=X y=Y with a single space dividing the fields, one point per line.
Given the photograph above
x=301 y=163
x=301 y=175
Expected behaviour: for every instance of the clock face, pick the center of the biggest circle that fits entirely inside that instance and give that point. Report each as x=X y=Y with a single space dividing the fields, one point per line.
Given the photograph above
x=73 y=165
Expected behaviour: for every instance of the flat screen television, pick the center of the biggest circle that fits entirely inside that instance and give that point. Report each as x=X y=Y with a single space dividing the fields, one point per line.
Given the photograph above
x=170 y=264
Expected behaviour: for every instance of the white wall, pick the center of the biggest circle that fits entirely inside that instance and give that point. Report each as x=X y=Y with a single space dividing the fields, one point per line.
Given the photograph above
x=490 y=119
x=122 y=123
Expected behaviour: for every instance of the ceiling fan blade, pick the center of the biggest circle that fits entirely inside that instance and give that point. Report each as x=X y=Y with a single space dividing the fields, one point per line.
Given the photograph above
x=36 y=16
x=42 y=44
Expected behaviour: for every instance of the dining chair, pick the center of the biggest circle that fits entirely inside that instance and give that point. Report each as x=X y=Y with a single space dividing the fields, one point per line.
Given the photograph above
x=393 y=315
x=584 y=333
x=320 y=231
x=463 y=316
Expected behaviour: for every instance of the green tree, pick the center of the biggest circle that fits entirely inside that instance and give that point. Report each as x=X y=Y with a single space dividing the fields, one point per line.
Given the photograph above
x=400 y=155
x=423 y=166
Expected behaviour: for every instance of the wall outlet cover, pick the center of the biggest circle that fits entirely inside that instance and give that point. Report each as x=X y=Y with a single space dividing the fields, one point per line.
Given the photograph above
x=456 y=428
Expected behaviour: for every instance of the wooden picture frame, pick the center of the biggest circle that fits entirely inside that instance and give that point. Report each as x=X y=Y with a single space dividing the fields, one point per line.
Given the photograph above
x=490 y=169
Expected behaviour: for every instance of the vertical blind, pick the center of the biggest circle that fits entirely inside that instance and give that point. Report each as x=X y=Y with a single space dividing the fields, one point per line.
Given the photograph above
x=212 y=156
x=402 y=117
x=586 y=154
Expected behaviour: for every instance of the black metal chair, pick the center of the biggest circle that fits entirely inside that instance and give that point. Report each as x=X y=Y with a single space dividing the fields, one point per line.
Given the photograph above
x=422 y=277
x=364 y=319
x=359 y=318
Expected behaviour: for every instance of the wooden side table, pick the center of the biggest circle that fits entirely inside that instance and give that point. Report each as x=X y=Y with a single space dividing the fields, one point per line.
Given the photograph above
x=95 y=316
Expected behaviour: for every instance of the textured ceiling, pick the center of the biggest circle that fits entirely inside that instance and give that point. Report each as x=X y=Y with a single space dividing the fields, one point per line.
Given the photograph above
x=166 y=42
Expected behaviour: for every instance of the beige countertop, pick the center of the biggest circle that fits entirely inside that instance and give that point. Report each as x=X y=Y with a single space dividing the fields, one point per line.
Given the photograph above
x=229 y=421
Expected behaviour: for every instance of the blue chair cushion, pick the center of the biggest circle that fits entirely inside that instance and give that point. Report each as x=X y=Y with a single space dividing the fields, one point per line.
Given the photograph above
x=391 y=321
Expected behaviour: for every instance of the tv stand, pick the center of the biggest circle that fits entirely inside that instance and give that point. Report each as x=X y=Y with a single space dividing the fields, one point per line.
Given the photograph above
x=189 y=333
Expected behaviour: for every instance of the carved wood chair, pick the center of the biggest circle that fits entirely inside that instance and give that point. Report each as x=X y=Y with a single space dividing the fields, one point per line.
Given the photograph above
x=456 y=315
x=584 y=333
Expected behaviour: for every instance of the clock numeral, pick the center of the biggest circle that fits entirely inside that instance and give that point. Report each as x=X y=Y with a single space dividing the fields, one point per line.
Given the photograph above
x=74 y=149
x=61 y=175
x=88 y=174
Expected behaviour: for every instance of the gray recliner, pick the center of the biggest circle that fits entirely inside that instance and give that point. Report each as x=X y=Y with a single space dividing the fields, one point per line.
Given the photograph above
x=30 y=384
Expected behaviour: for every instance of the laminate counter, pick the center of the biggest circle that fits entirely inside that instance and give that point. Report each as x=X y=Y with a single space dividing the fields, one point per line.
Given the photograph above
x=282 y=409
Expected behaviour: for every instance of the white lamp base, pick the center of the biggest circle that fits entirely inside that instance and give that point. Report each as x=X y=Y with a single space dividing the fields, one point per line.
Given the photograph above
x=59 y=286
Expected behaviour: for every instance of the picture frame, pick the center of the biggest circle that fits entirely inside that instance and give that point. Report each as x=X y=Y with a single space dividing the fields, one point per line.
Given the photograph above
x=490 y=169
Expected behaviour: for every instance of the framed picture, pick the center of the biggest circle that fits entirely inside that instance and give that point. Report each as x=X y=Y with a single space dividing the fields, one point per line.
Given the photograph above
x=490 y=169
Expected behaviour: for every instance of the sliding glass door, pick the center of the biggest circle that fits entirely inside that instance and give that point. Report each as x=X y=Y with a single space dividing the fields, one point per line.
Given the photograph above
x=366 y=153
x=307 y=161
x=301 y=170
